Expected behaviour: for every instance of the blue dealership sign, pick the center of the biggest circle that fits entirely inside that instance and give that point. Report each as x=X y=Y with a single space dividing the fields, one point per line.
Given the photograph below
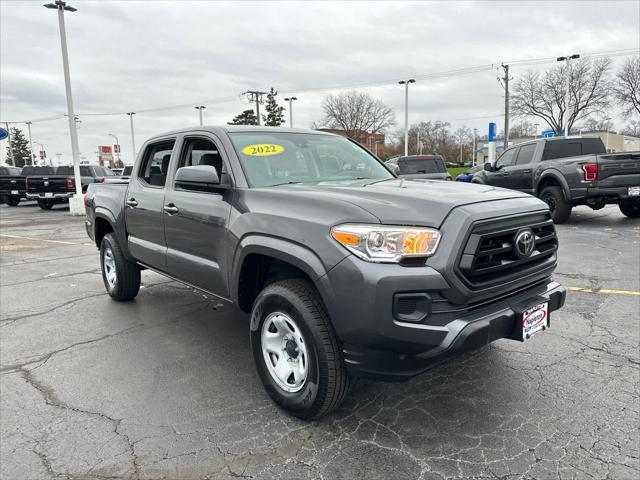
x=492 y=132
x=3 y=134
x=548 y=133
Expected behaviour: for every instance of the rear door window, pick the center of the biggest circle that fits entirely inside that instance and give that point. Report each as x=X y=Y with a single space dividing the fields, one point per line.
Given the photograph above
x=575 y=148
x=525 y=155
x=155 y=164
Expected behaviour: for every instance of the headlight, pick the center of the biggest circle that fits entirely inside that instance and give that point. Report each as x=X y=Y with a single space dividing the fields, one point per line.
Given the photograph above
x=387 y=244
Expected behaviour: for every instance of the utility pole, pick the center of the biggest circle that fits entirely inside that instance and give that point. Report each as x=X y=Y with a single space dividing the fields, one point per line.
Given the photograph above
x=76 y=204
x=505 y=83
x=567 y=93
x=406 y=113
x=290 y=99
x=133 y=138
x=474 y=157
x=30 y=143
x=200 y=108
x=13 y=161
x=418 y=152
x=256 y=96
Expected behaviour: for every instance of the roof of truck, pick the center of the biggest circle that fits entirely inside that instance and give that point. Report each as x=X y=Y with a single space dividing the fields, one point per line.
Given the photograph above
x=242 y=128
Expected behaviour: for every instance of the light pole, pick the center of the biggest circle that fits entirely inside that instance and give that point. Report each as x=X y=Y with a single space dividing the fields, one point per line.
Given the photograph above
x=30 y=143
x=536 y=132
x=42 y=150
x=200 y=108
x=474 y=157
x=567 y=94
x=76 y=204
x=406 y=113
x=118 y=144
x=133 y=138
x=290 y=100
x=608 y=120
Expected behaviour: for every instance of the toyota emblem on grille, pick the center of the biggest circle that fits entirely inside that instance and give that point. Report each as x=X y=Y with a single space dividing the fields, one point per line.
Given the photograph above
x=524 y=243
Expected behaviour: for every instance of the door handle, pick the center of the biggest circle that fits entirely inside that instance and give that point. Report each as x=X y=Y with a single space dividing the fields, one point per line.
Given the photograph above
x=527 y=171
x=132 y=203
x=171 y=209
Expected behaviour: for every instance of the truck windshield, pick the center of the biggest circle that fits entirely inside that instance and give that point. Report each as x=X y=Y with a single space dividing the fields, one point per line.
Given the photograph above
x=277 y=158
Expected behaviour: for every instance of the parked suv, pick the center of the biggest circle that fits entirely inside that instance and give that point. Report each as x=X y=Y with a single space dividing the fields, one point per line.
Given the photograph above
x=420 y=166
x=565 y=172
x=345 y=270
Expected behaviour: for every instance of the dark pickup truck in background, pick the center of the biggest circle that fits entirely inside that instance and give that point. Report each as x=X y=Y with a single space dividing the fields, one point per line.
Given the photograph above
x=50 y=188
x=565 y=172
x=12 y=185
x=432 y=167
x=346 y=270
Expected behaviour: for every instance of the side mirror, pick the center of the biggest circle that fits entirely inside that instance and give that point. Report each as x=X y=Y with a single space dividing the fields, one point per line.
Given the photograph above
x=488 y=167
x=200 y=178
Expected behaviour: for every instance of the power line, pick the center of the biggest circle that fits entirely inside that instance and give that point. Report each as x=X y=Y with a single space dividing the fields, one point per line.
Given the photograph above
x=461 y=71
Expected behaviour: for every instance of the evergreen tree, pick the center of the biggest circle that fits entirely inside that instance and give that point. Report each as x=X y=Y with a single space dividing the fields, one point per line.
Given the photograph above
x=275 y=113
x=248 y=117
x=18 y=149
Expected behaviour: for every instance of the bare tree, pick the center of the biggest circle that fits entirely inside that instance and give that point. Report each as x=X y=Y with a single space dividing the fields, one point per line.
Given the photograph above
x=542 y=95
x=632 y=129
x=595 y=125
x=626 y=87
x=522 y=129
x=356 y=113
x=462 y=135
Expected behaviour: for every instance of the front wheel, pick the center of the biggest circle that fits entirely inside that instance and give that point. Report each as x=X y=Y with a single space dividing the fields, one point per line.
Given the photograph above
x=558 y=206
x=13 y=201
x=121 y=276
x=630 y=208
x=296 y=351
x=45 y=204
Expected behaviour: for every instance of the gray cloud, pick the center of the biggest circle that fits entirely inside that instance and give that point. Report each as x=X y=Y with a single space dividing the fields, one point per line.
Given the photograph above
x=141 y=55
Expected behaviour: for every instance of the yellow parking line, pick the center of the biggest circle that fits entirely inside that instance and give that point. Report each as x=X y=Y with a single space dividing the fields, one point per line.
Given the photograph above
x=602 y=290
x=34 y=239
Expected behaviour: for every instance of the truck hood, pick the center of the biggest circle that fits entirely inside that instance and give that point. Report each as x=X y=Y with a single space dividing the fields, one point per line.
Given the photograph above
x=410 y=202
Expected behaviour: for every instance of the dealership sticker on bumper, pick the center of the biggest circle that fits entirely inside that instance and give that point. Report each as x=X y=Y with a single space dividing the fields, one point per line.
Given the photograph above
x=634 y=191
x=535 y=319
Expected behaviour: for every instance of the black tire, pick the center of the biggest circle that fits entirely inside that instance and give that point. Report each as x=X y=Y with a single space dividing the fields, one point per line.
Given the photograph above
x=630 y=208
x=326 y=383
x=45 y=204
x=127 y=274
x=13 y=201
x=558 y=206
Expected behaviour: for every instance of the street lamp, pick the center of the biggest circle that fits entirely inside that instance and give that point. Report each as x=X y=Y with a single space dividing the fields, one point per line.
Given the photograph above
x=200 y=108
x=608 y=120
x=565 y=117
x=76 y=204
x=290 y=100
x=133 y=138
x=118 y=145
x=406 y=113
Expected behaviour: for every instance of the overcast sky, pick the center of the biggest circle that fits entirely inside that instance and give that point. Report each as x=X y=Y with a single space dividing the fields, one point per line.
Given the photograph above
x=137 y=56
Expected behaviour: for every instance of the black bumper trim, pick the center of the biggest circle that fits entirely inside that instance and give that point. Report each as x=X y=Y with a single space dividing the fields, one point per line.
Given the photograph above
x=463 y=335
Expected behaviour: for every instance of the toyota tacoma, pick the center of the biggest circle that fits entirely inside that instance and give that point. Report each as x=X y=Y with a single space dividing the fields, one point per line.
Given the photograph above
x=346 y=270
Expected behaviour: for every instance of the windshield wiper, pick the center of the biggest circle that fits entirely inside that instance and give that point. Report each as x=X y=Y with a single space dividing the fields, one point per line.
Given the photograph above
x=285 y=183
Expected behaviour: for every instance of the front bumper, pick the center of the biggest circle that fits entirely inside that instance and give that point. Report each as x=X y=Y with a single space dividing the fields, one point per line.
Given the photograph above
x=362 y=302
x=464 y=334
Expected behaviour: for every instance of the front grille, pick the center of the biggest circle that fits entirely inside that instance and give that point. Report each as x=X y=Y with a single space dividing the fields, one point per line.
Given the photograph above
x=490 y=256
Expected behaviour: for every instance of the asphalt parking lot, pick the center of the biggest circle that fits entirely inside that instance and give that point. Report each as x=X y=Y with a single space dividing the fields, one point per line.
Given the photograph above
x=165 y=387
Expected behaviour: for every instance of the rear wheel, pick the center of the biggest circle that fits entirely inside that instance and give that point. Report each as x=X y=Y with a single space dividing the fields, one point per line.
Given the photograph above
x=630 y=208
x=45 y=204
x=558 y=206
x=296 y=351
x=13 y=201
x=121 y=276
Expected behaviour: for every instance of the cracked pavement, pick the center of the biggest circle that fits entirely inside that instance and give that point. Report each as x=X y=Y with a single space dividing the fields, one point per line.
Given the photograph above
x=164 y=387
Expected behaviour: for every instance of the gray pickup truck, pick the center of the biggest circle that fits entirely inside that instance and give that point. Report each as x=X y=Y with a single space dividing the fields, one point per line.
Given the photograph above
x=565 y=172
x=346 y=270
